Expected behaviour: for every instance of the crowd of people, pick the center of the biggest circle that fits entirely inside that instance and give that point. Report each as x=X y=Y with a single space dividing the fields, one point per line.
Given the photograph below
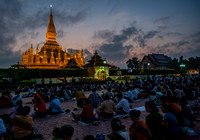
x=166 y=94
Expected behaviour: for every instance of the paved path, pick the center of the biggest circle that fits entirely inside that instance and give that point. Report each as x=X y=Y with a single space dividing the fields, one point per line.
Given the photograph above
x=46 y=125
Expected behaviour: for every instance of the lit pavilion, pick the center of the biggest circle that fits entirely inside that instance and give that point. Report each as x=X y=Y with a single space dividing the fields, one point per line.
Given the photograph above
x=51 y=54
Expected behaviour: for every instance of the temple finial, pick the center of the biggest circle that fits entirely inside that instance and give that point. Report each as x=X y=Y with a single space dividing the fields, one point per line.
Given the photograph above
x=50 y=10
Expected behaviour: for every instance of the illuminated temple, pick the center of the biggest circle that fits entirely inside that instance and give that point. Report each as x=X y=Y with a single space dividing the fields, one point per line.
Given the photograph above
x=51 y=54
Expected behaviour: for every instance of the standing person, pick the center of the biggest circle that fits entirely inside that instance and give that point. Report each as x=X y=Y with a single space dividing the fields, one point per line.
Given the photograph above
x=16 y=97
x=94 y=98
x=23 y=125
x=123 y=106
x=117 y=133
x=40 y=107
x=170 y=123
x=54 y=106
x=154 y=121
x=107 y=108
x=80 y=96
x=139 y=129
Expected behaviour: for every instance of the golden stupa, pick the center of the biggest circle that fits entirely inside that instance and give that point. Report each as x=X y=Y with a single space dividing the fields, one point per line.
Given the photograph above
x=51 y=54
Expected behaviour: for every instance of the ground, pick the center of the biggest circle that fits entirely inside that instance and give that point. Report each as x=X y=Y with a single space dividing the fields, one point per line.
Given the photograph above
x=46 y=125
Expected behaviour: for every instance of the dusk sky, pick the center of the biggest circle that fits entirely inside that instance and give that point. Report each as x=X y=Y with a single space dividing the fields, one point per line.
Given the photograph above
x=117 y=29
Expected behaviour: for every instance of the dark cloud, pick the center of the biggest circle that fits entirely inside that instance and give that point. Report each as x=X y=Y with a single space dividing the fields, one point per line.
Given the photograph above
x=115 y=49
x=173 y=34
x=142 y=37
x=115 y=52
x=174 y=44
x=10 y=12
x=162 y=23
x=125 y=34
x=162 y=20
x=104 y=34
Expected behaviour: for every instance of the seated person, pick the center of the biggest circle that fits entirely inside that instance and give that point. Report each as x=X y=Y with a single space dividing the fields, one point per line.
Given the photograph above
x=80 y=96
x=117 y=131
x=135 y=92
x=23 y=125
x=54 y=106
x=40 y=107
x=94 y=98
x=123 y=106
x=2 y=129
x=170 y=123
x=157 y=100
x=187 y=117
x=16 y=97
x=109 y=93
x=64 y=133
x=107 y=108
x=87 y=114
x=17 y=110
x=5 y=100
x=139 y=129
x=129 y=95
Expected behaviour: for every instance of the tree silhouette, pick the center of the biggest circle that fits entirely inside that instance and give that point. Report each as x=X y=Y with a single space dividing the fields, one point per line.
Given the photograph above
x=133 y=63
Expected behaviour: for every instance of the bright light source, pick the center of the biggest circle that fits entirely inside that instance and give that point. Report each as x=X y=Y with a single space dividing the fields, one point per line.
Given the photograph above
x=50 y=5
x=182 y=65
x=148 y=64
x=104 y=61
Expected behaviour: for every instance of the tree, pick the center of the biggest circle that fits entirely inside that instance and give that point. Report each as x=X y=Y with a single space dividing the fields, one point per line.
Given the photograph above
x=133 y=63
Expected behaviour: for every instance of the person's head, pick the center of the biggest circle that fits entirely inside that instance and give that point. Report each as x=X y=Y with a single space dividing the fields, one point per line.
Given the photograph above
x=79 y=88
x=158 y=89
x=38 y=99
x=93 y=90
x=109 y=89
x=106 y=97
x=166 y=87
x=17 y=92
x=26 y=110
x=116 y=124
x=165 y=108
x=52 y=96
x=86 y=101
x=67 y=132
x=19 y=103
x=183 y=102
x=134 y=114
x=119 y=96
x=57 y=132
x=164 y=99
x=151 y=107
x=89 y=137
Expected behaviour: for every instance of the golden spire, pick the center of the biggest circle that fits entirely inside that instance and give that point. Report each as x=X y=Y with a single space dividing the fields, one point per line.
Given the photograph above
x=51 y=30
x=37 y=50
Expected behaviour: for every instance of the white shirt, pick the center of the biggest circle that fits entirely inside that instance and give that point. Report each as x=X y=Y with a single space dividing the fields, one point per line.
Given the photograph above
x=135 y=93
x=130 y=95
x=123 y=103
x=15 y=101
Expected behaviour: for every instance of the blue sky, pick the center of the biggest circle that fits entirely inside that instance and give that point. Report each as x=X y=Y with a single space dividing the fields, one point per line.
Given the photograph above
x=117 y=29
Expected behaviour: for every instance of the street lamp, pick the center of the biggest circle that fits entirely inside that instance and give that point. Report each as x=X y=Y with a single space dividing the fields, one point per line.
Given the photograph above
x=148 y=65
x=182 y=65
